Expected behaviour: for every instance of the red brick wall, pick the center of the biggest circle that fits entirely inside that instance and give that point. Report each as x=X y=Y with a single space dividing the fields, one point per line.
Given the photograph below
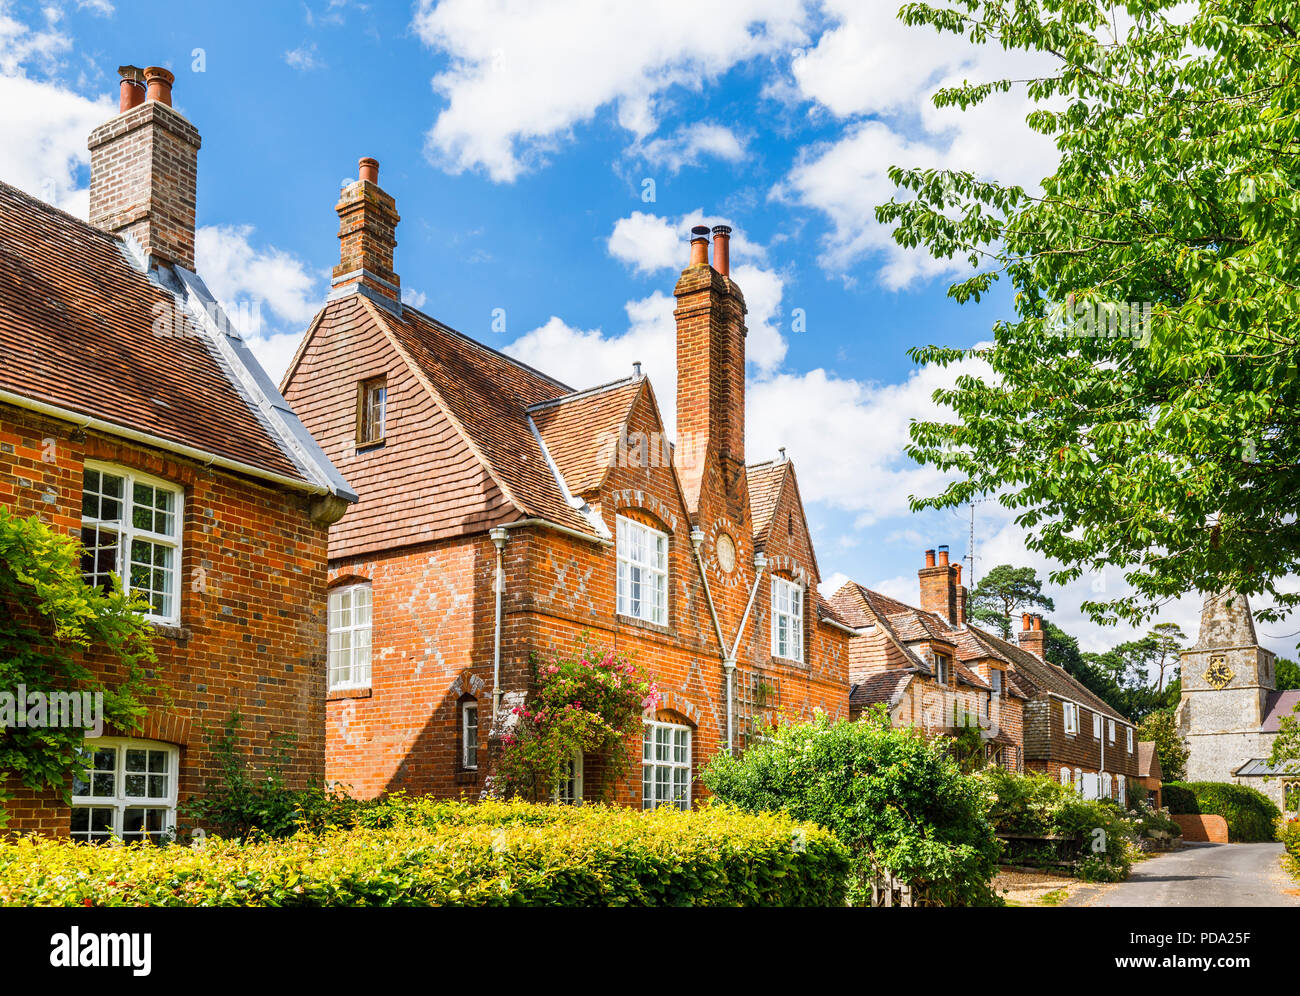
x=252 y=633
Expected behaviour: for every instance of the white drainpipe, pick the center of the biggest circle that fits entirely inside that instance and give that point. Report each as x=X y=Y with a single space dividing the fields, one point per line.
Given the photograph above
x=500 y=535
x=728 y=662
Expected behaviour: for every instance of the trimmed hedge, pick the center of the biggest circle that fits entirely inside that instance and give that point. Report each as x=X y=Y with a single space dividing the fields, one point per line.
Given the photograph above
x=1251 y=816
x=456 y=854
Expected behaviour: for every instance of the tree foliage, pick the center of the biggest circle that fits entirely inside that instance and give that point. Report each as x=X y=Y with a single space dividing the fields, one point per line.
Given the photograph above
x=1003 y=591
x=1171 y=750
x=1174 y=456
x=49 y=619
x=892 y=796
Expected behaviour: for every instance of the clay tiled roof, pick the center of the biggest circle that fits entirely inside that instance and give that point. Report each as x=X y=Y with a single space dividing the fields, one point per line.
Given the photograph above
x=884 y=686
x=1148 y=762
x=582 y=431
x=489 y=397
x=825 y=610
x=78 y=334
x=765 y=482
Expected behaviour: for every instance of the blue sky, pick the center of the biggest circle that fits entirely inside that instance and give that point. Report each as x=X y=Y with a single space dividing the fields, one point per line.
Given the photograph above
x=548 y=160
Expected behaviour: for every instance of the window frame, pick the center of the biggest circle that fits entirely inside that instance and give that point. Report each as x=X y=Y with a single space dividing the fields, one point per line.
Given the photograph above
x=128 y=533
x=1128 y=739
x=654 y=610
x=794 y=617
x=1066 y=778
x=650 y=782
x=1110 y=731
x=365 y=411
x=568 y=790
x=997 y=681
x=352 y=684
x=1070 y=718
x=119 y=801
x=469 y=747
x=942 y=669
x=1096 y=726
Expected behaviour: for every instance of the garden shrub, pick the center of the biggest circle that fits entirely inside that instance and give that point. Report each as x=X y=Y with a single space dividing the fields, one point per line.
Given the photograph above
x=1250 y=815
x=1034 y=805
x=1288 y=832
x=456 y=854
x=892 y=796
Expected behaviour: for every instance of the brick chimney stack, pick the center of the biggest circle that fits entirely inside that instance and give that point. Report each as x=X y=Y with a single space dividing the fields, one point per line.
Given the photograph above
x=711 y=333
x=367 y=234
x=939 y=583
x=144 y=168
x=1032 y=637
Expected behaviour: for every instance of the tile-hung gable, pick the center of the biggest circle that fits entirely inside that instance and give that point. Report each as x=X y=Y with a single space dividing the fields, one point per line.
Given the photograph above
x=134 y=419
x=505 y=514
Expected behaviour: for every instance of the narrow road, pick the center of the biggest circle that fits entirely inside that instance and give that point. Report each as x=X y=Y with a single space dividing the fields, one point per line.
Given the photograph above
x=1201 y=875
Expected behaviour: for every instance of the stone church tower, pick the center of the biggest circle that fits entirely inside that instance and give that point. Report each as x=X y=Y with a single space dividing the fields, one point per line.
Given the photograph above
x=1229 y=699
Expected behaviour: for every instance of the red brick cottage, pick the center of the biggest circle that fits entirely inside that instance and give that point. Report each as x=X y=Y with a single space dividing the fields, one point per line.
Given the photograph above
x=133 y=417
x=934 y=669
x=505 y=514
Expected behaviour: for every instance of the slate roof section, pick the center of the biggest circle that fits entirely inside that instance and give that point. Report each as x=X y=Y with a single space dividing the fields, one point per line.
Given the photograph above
x=1277 y=705
x=84 y=330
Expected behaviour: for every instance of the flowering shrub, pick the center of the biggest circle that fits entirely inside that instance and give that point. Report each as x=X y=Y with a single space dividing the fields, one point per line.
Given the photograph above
x=590 y=702
x=455 y=854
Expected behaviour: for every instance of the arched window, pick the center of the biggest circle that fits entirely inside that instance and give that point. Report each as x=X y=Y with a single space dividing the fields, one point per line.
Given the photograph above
x=128 y=790
x=1065 y=776
x=666 y=765
x=349 y=635
x=468 y=733
x=1291 y=796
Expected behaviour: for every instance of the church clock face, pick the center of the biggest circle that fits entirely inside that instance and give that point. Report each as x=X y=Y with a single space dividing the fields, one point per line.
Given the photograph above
x=726 y=553
x=1218 y=674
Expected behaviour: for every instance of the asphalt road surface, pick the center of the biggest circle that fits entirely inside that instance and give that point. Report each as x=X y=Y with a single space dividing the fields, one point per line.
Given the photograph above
x=1202 y=875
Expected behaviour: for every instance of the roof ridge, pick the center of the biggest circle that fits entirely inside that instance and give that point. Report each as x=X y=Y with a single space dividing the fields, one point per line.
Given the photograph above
x=485 y=347
x=585 y=392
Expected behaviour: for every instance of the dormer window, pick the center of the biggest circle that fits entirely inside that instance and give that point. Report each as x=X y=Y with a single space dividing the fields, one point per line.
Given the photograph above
x=942 y=669
x=372 y=411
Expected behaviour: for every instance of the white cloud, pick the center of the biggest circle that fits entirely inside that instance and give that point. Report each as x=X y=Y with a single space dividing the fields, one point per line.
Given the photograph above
x=523 y=75
x=870 y=63
x=269 y=295
x=691 y=143
x=21 y=45
x=45 y=129
x=304 y=58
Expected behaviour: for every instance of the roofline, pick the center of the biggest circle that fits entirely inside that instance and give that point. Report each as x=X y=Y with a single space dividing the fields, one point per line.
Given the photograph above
x=158 y=442
x=839 y=625
x=484 y=346
x=586 y=392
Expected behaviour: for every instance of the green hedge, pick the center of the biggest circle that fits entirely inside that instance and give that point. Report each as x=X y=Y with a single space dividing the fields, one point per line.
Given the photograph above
x=1250 y=815
x=456 y=854
x=1288 y=831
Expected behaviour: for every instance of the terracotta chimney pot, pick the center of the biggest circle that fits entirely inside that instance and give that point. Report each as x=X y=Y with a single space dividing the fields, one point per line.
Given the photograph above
x=699 y=246
x=159 y=82
x=943 y=556
x=132 y=88
x=722 y=249
x=929 y=558
x=368 y=169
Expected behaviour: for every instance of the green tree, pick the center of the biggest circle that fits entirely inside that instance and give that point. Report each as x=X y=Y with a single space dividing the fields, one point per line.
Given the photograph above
x=1170 y=455
x=1287 y=674
x=1172 y=752
x=1004 y=590
x=49 y=619
x=1286 y=746
x=1170 y=640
